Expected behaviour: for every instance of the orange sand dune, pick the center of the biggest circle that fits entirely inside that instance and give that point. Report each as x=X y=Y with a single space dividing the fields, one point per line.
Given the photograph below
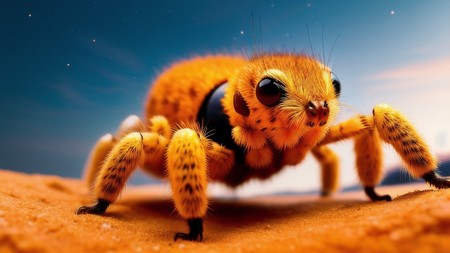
x=37 y=215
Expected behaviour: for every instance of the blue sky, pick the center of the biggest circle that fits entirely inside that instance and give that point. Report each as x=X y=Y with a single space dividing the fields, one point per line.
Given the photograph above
x=70 y=71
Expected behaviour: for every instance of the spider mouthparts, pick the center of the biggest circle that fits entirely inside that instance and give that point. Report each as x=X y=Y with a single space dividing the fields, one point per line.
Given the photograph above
x=317 y=112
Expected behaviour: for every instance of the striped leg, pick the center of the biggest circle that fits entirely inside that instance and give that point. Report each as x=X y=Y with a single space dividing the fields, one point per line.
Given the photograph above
x=392 y=127
x=396 y=130
x=369 y=162
x=118 y=166
x=104 y=145
x=96 y=158
x=186 y=166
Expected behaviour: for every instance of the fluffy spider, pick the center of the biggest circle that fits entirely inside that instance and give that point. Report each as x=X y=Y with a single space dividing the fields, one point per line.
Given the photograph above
x=260 y=114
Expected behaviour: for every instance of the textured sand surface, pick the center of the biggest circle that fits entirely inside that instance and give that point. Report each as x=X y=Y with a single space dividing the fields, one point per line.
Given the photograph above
x=37 y=215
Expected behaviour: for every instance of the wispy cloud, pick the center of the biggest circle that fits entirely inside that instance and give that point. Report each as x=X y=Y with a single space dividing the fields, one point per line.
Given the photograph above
x=119 y=55
x=124 y=68
x=68 y=92
x=422 y=74
x=119 y=82
x=422 y=92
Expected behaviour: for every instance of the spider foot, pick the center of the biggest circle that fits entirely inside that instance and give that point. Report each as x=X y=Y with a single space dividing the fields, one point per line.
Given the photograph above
x=195 y=231
x=325 y=194
x=436 y=180
x=374 y=196
x=98 y=208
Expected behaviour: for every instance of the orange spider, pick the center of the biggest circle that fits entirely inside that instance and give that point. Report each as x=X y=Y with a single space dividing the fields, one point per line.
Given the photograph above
x=231 y=119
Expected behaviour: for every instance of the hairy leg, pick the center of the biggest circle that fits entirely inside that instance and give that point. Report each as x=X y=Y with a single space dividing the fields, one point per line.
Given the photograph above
x=154 y=160
x=220 y=160
x=329 y=163
x=346 y=129
x=96 y=158
x=369 y=156
x=104 y=145
x=396 y=130
x=118 y=166
x=186 y=167
x=392 y=127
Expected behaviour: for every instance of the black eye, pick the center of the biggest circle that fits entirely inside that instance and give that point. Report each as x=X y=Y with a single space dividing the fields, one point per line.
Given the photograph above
x=269 y=92
x=336 y=84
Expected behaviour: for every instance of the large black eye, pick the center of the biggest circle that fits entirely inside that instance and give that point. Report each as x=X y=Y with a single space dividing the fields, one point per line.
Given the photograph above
x=336 y=84
x=269 y=92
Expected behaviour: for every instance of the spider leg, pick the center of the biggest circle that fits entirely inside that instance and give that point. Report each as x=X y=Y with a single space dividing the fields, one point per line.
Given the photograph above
x=367 y=149
x=104 y=145
x=123 y=159
x=327 y=158
x=186 y=167
x=329 y=163
x=369 y=162
x=396 y=130
x=195 y=231
x=390 y=126
x=96 y=158
x=220 y=160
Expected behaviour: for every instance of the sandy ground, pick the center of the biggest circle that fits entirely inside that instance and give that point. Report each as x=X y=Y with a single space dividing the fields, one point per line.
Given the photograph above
x=37 y=215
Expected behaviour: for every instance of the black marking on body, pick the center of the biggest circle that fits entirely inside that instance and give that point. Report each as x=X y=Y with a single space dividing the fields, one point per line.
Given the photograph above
x=193 y=92
x=212 y=114
x=176 y=106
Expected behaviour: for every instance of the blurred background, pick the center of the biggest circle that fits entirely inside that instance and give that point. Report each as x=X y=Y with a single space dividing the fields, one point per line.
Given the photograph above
x=71 y=71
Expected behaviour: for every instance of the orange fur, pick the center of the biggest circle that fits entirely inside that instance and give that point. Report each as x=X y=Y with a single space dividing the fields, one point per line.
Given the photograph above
x=178 y=93
x=272 y=137
x=279 y=107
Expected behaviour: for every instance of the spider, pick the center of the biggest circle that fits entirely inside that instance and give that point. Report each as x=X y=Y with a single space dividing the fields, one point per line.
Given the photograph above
x=230 y=119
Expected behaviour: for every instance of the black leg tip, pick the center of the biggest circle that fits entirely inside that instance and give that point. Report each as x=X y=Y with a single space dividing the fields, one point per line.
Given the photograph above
x=370 y=191
x=325 y=194
x=436 y=180
x=188 y=237
x=195 y=231
x=98 y=208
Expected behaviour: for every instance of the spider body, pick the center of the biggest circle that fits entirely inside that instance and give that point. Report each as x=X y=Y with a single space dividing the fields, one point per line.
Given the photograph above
x=231 y=119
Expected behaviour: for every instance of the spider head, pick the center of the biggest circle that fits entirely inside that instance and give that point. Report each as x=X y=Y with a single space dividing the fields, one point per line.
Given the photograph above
x=286 y=98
